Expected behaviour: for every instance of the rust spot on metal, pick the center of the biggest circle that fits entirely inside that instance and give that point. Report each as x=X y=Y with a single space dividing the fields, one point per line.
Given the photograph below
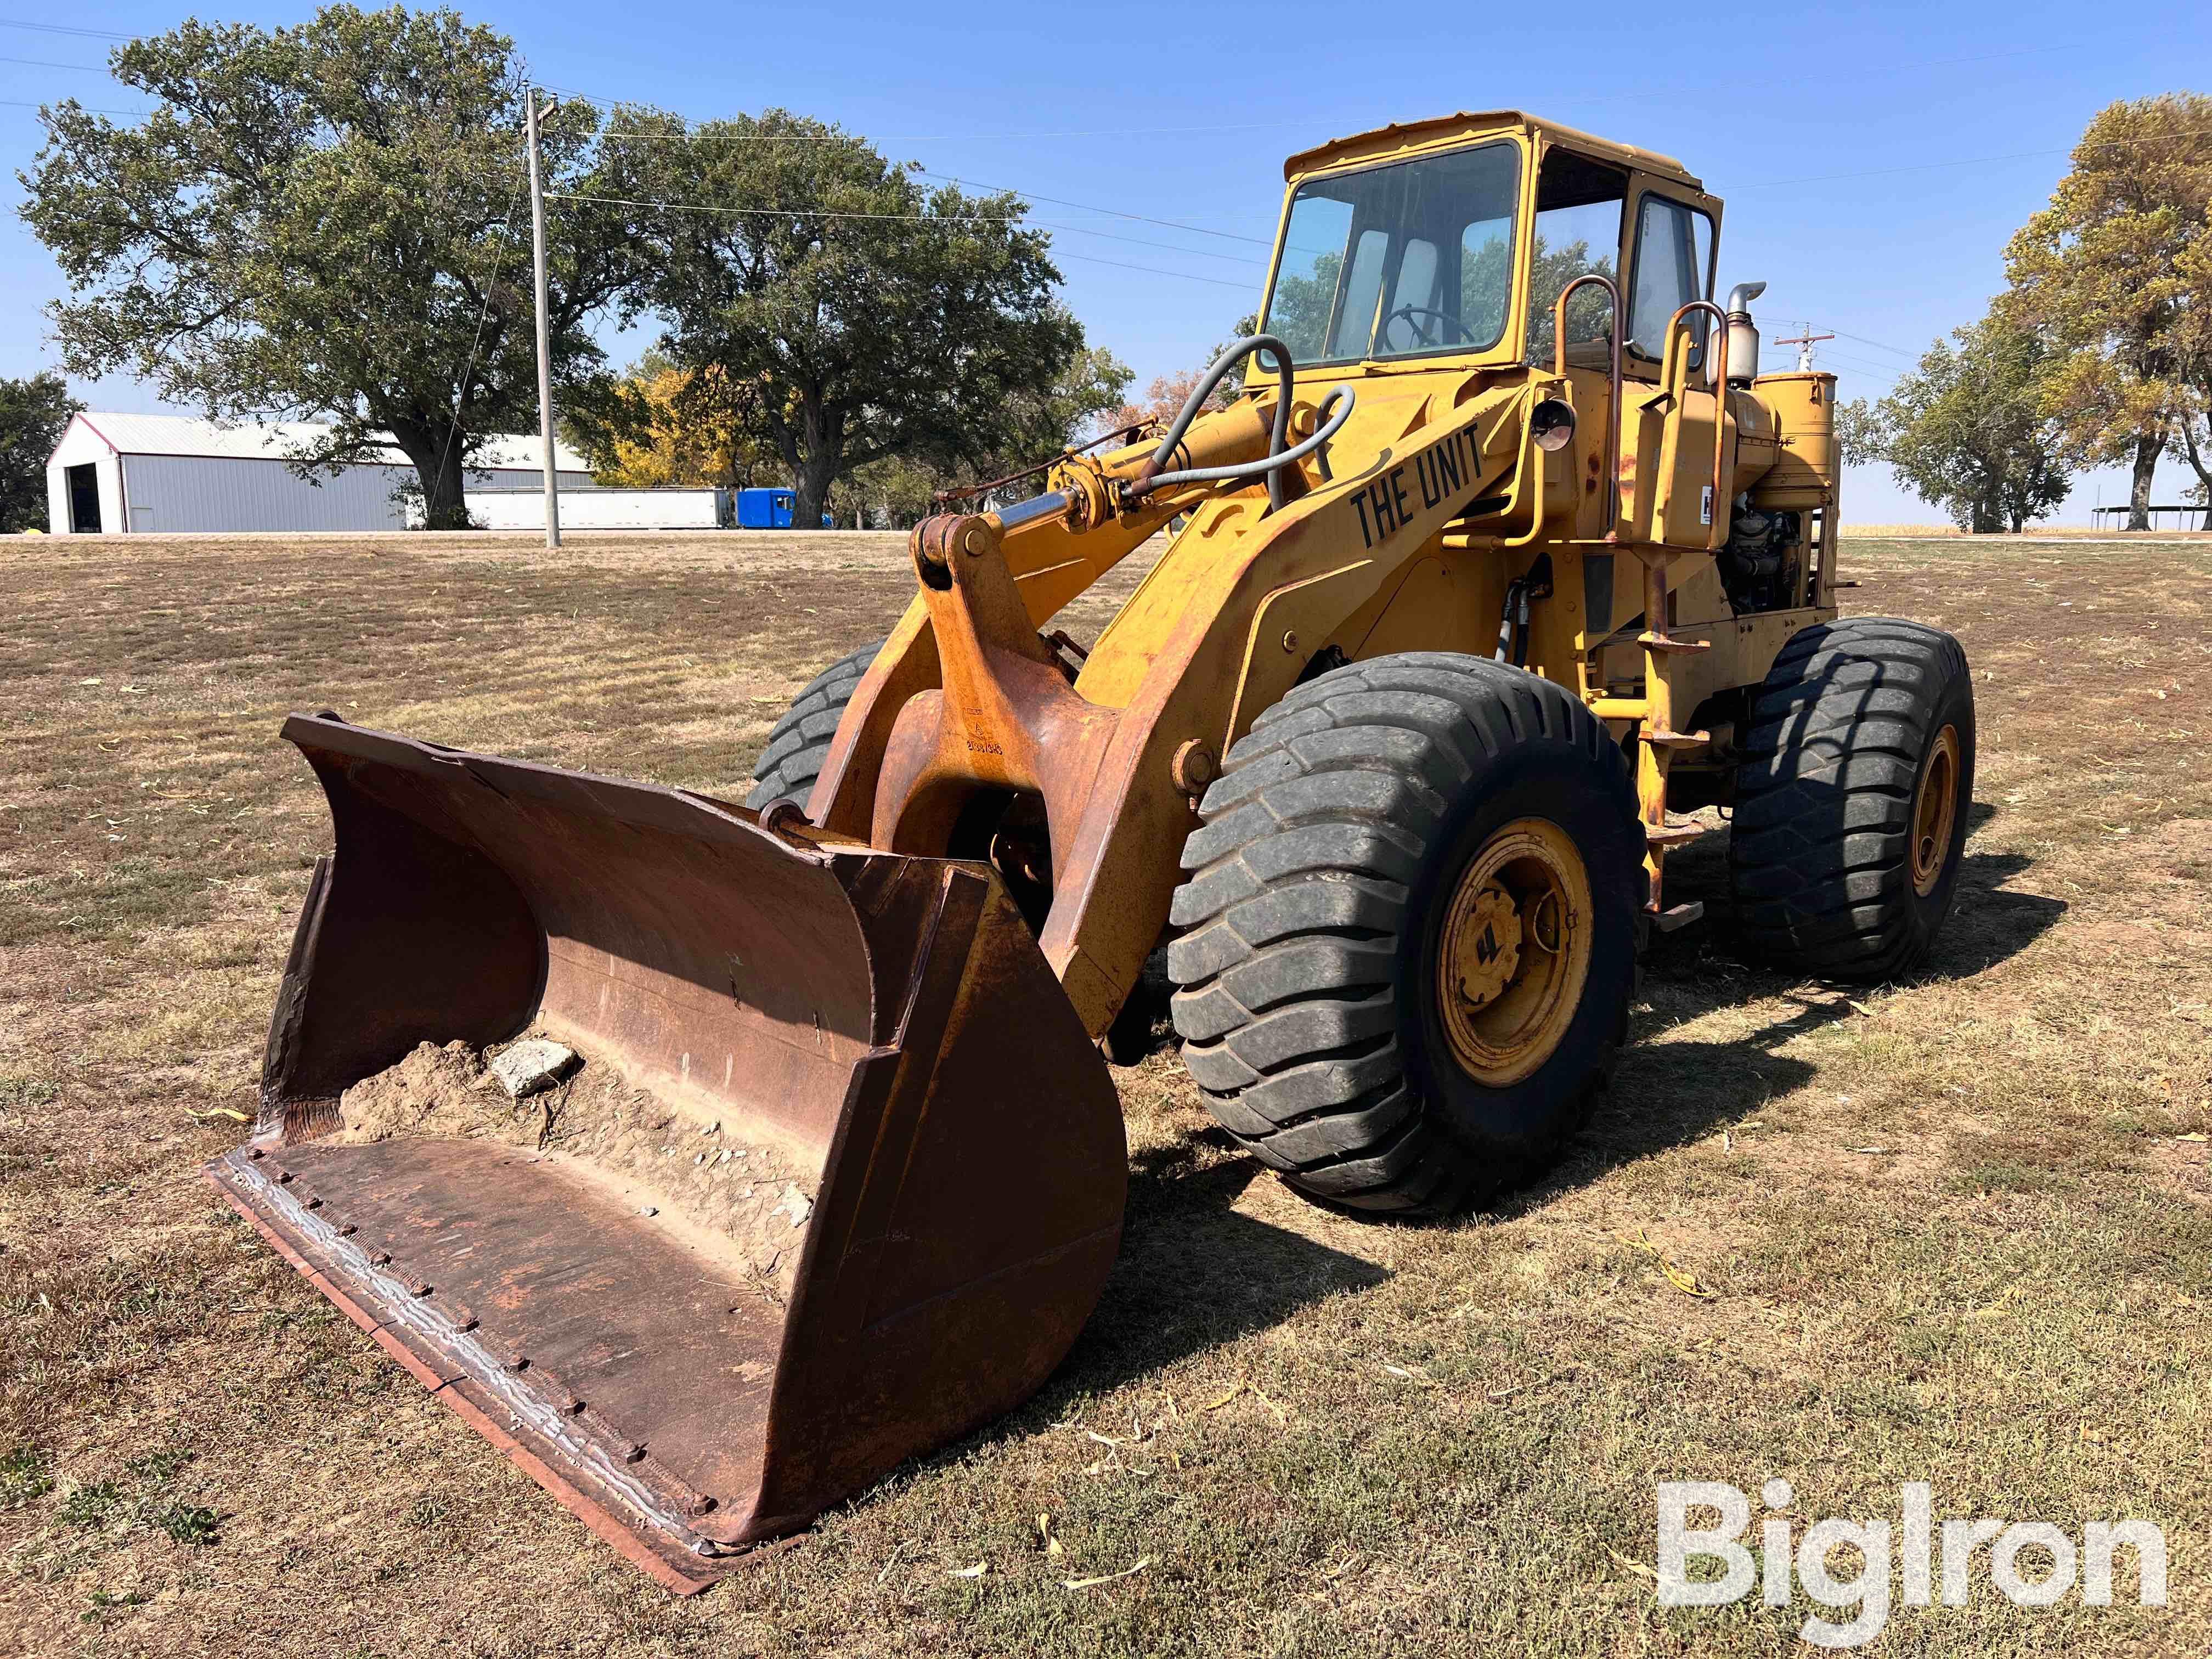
x=1193 y=768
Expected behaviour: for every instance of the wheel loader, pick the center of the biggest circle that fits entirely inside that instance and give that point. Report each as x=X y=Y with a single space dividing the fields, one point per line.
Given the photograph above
x=1504 y=557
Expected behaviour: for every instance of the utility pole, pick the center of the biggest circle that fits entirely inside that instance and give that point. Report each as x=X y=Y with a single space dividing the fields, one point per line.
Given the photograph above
x=545 y=348
x=1805 y=342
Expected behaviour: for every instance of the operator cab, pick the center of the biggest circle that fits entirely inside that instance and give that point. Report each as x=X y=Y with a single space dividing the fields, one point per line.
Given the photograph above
x=1410 y=244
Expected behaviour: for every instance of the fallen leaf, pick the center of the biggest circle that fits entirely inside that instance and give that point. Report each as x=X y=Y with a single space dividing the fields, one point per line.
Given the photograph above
x=237 y=1116
x=1143 y=1561
x=1634 y=1567
x=2193 y=1137
x=1869 y=1152
x=976 y=1572
x=1052 y=1545
x=1501 y=1395
x=2012 y=1293
x=1680 y=1281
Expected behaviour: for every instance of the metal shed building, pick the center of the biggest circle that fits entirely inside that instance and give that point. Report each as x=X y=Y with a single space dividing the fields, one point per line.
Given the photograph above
x=170 y=473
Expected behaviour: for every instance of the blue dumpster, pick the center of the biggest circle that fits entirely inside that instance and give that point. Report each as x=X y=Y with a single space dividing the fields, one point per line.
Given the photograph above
x=765 y=509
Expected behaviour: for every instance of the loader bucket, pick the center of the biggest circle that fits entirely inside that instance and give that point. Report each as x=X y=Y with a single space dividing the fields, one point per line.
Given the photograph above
x=884 y=1026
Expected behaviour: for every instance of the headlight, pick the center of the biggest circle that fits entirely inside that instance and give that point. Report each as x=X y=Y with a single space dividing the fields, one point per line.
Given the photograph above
x=1551 y=424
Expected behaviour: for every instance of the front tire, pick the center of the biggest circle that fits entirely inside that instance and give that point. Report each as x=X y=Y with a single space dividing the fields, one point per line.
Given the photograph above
x=1410 y=931
x=798 y=743
x=1851 y=799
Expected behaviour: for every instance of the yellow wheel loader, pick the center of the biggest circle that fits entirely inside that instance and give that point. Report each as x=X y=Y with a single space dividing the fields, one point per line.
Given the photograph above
x=1505 y=555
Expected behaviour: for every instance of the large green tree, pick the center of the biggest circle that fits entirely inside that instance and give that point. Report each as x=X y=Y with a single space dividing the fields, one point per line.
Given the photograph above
x=326 y=222
x=2105 y=275
x=32 y=414
x=875 y=317
x=1969 y=428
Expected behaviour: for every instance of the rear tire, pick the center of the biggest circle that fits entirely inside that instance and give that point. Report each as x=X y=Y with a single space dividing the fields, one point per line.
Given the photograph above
x=800 y=742
x=1340 y=996
x=1851 y=799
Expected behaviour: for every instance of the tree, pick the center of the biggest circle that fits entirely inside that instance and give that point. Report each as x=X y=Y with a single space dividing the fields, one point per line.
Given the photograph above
x=2104 y=273
x=2192 y=337
x=877 y=318
x=659 y=425
x=1165 y=398
x=1968 y=429
x=1037 y=427
x=326 y=222
x=32 y=414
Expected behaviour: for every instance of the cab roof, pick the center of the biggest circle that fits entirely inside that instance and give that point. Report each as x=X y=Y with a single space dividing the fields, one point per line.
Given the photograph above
x=1402 y=137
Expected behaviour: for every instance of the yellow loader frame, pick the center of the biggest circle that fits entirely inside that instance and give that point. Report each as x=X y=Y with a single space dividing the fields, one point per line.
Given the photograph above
x=1381 y=555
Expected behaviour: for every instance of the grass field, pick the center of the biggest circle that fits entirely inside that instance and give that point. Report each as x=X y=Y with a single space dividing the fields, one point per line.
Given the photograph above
x=1957 y=1229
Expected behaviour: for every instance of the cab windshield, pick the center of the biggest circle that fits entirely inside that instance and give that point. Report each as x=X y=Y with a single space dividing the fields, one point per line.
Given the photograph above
x=1400 y=260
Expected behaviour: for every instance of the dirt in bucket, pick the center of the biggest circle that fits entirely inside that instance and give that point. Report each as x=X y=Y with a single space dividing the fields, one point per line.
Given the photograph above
x=750 y=1199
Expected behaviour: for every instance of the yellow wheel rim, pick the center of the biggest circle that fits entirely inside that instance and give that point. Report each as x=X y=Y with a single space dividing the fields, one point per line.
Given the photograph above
x=1515 y=951
x=1935 y=810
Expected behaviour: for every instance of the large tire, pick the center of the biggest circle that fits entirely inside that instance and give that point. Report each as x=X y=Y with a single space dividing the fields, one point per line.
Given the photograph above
x=1310 y=999
x=800 y=742
x=1851 y=799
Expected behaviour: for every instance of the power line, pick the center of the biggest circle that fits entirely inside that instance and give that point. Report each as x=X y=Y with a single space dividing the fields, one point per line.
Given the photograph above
x=930 y=137
x=1981 y=160
x=786 y=213
x=1908 y=356
x=468 y=369
x=90 y=109
x=1087 y=207
x=903 y=218
x=41 y=63
x=64 y=29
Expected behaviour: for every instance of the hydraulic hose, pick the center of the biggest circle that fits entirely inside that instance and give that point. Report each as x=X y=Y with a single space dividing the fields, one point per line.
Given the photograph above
x=1278 y=456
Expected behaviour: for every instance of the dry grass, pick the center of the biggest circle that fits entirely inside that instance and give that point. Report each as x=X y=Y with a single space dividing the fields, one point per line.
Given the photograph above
x=1333 y=1437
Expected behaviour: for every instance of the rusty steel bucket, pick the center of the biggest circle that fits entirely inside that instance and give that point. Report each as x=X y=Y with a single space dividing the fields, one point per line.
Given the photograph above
x=886 y=1023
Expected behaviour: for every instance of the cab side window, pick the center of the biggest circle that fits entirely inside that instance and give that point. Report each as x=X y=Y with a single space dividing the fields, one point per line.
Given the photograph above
x=1674 y=263
x=1579 y=204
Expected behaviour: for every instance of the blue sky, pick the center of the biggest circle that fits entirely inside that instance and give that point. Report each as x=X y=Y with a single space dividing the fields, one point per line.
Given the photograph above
x=1874 y=159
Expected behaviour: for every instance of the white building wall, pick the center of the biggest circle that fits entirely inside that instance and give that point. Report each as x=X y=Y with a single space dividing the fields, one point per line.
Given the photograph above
x=81 y=445
x=505 y=507
x=177 y=494
x=195 y=488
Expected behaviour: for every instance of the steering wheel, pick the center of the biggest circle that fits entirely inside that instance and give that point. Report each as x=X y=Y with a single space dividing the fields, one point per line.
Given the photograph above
x=1423 y=334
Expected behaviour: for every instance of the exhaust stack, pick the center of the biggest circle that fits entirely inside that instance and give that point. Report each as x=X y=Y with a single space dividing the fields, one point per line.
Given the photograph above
x=1743 y=333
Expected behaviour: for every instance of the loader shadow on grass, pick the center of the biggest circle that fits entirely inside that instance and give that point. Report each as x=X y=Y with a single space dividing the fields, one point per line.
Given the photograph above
x=1195 y=1275
x=1669 y=1093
